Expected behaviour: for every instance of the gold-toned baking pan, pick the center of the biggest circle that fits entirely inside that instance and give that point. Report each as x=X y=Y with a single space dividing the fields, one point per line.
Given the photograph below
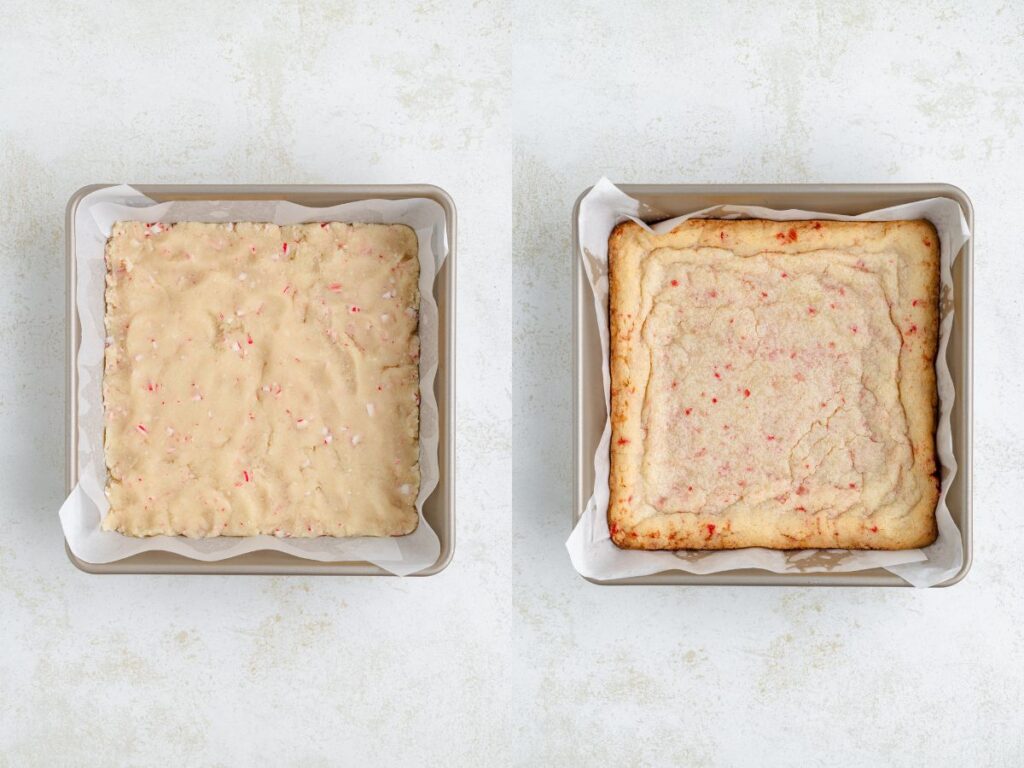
x=439 y=508
x=671 y=200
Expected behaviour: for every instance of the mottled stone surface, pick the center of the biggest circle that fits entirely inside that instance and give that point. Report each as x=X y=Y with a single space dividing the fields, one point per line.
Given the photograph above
x=508 y=657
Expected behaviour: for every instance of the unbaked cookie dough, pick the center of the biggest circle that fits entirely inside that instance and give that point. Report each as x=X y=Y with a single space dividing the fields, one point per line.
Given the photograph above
x=262 y=379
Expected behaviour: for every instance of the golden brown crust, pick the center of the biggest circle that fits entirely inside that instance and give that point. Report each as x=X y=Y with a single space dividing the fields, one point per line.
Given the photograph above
x=913 y=309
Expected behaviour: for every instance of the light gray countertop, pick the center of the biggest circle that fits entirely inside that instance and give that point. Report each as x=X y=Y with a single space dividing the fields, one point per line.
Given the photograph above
x=507 y=657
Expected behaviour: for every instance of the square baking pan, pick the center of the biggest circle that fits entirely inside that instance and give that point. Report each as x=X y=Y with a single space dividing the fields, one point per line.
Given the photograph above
x=439 y=508
x=665 y=201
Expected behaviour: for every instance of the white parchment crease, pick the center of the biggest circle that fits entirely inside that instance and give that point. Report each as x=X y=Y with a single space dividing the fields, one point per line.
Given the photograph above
x=84 y=508
x=590 y=546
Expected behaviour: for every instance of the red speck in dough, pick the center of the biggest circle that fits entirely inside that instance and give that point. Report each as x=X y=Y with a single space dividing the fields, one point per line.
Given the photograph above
x=142 y=429
x=784 y=274
x=853 y=485
x=245 y=474
x=713 y=294
x=714 y=399
x=249 y=338
x=764 y=295
x=791 y=234
x=817 y=225
x=718 y=375
x=874 y=529
x=284 y=247
x=711 y=530
x=914 y=303
x=334 y=287
x=688 y=411
x=771 y=437
x=927 y=242
x=623 y=441
x=911 y=330
x=746 y=393
x=675 y=283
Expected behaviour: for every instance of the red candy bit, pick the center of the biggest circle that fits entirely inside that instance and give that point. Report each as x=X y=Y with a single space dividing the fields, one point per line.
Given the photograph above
x=812 y=311
x=927 y=242
x=613 y=528
x=324 y=225
x=718 y=375
x=334 y=287
x=675 y=384
x=714 y=399
x=764 y=295
x=354 y=309
x=853 y=328
x=746 y=393
x=817 y=225
x=784 y=275
x=623 y=441
x=689 y=488
x=688 y=411
x=911 y=330
x=249 y=338
x=142 y=428
x=711 y=529
x=853 y=485
x=286 y=289
x=245 y=474
x=771 y=437
x=284 y=247
x=675 y=283
x=791 y=234
x=874 y=529
x=713 y=294
x=801 y=490
x=914 y=303
x=801 y=509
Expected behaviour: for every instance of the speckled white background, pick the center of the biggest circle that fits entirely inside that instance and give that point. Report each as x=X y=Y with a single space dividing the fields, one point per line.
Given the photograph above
x=506 y=658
